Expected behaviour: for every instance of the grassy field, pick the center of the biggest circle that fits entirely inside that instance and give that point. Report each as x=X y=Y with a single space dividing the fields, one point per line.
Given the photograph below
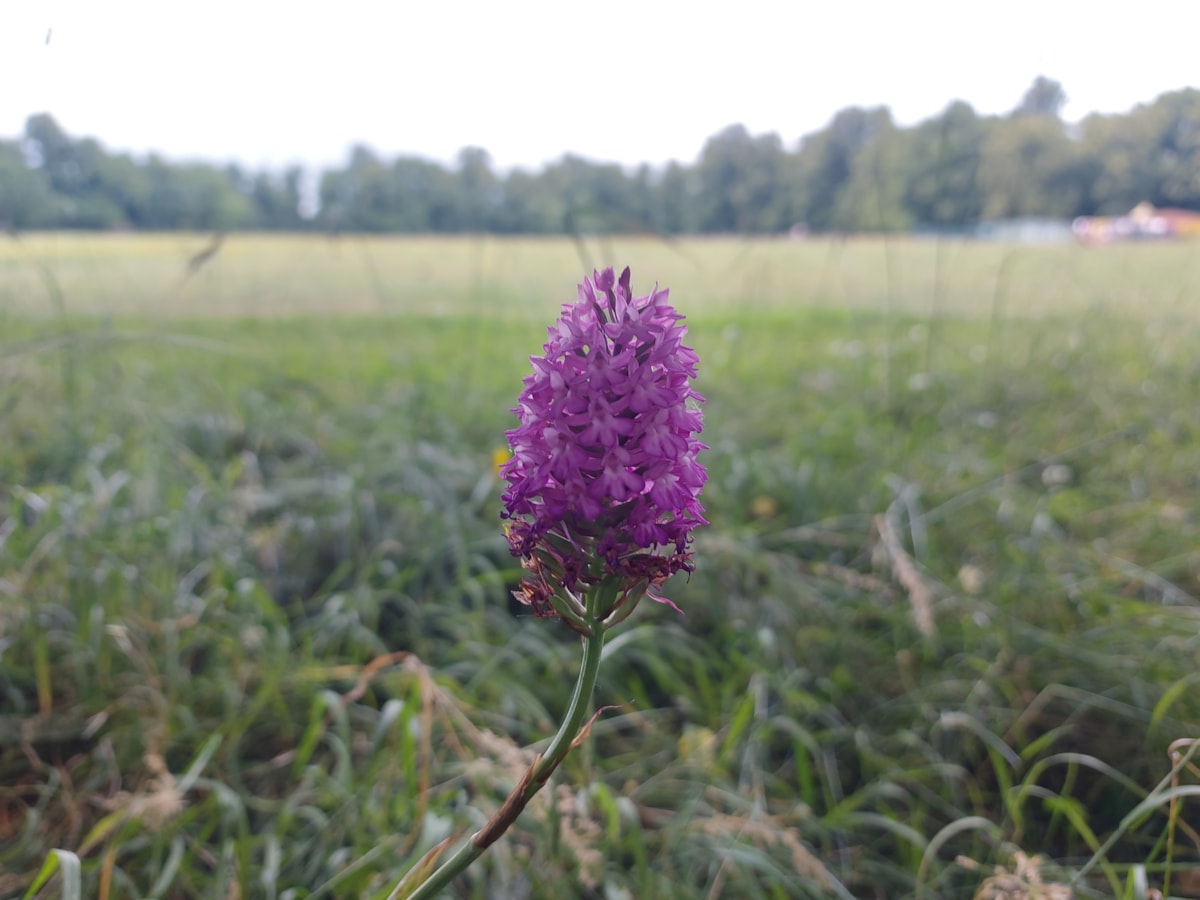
x=255 y=638
x=263 y=275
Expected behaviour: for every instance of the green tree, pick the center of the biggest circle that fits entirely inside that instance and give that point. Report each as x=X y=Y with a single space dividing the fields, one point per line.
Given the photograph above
x=739 y=183
x=53 y=153
x=276 y=200
x=26 y=201
x=673 y=201
x=585 y=197
x=944 y=156
x=1029 y=167
x=1175 y=163
x=418 y=196
x=872 y=197
x=480 y=193
x=1150 y=154
x=527 y=205
x=859 y=173
x=827 y=158
x=360 y=197
x=1044 y=98
x=73 y=171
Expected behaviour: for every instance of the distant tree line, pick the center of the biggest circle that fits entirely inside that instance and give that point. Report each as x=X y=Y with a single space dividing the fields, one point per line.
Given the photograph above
x=861 y=173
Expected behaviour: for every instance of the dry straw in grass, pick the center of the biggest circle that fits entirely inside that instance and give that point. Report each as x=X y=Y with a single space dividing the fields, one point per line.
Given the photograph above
x=1024 y=882
x=905 y=570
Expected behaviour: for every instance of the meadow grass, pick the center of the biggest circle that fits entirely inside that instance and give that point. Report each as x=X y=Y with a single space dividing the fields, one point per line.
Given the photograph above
x=147 y=275
x=255 y=637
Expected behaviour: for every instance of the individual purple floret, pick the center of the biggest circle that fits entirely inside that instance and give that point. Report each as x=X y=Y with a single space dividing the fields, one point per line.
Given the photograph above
x=604 y=485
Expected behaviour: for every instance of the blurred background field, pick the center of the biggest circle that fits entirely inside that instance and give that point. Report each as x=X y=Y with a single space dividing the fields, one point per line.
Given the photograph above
x=169 y=275
x=255 y=634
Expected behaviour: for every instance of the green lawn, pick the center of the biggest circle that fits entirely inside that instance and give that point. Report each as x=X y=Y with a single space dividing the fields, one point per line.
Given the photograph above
x=255 y=637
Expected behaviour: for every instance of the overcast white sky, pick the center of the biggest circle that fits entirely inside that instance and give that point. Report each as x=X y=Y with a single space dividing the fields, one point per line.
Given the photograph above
x=271 y=82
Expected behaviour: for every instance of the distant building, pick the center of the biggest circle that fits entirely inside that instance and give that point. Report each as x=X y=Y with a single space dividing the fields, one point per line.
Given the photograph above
x=1025 y=231
x=1143 y=223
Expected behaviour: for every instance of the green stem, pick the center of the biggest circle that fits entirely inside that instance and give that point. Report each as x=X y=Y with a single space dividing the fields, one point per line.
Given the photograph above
x=573 y=722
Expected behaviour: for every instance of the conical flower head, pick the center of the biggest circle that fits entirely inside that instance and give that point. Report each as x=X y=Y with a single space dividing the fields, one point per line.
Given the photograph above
x=604 y=484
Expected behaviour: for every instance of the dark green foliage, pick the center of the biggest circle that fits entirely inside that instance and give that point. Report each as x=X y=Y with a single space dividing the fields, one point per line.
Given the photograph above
x=861 y=173
x=1045 y=98
x=942 y=191
x=742 y=184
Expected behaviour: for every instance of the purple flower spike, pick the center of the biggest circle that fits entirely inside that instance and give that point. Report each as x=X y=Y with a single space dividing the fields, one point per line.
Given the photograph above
x=604 y=485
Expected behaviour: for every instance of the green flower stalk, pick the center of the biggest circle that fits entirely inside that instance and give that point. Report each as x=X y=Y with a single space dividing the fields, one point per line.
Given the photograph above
x=603 y=494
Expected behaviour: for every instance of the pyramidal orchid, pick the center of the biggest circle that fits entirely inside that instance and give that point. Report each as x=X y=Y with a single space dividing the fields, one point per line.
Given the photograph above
x=603 y=494
x=604 y=483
